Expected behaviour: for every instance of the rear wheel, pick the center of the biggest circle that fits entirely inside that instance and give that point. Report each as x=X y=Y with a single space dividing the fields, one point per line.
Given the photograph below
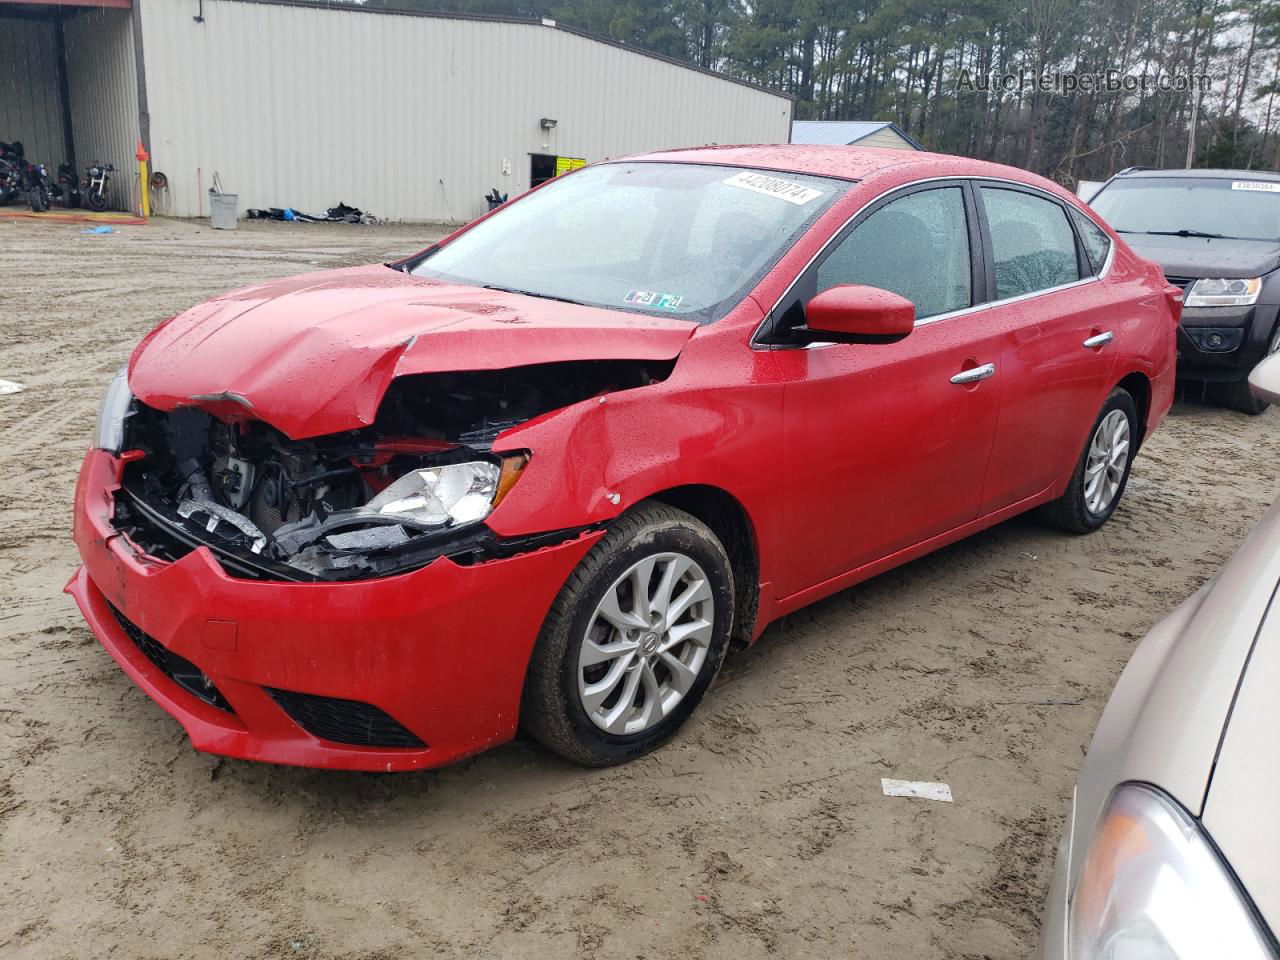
x=633 y=640
x=1102 y=472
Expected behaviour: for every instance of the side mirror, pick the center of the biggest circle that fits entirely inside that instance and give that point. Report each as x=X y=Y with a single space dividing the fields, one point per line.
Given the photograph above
x=857 y=314
x=1264 y=381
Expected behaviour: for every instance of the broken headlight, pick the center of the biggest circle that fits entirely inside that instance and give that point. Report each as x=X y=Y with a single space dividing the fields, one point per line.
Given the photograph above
x=116 y=407
x=449 y=495
x=424 y=500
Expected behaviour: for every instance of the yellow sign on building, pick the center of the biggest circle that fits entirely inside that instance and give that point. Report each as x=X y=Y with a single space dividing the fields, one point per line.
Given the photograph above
x=565 y=164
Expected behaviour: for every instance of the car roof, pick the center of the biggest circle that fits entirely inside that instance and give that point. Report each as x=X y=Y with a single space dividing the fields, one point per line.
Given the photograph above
x=848 y=162
x=1137 y=172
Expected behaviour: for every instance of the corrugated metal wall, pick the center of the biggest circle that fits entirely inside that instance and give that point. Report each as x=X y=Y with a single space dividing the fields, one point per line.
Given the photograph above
x=29 y=108
x=407 y=117
x=101 y=75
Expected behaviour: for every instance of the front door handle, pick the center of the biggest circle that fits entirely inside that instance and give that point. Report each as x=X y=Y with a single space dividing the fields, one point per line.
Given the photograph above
x=1099 y=340
x=974 y=374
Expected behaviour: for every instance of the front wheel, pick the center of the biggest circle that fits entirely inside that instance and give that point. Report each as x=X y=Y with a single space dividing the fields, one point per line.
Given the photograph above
x=633 y=640
x=97 y=200
x=1102 y=472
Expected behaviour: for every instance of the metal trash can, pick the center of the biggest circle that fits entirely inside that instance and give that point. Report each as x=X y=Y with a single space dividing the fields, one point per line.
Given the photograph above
x=222 y=210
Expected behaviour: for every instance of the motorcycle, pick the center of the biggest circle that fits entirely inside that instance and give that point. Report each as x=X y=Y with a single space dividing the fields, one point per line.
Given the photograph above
x=12 y=168
x=95 y=185
x=10 y=182
x=69 y=185
x=39 y=186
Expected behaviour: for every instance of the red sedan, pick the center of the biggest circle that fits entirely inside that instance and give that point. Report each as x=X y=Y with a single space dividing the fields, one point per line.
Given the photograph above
x=546 y=472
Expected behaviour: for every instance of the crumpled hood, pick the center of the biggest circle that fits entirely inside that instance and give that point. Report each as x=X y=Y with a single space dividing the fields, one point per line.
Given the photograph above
x=314 y=354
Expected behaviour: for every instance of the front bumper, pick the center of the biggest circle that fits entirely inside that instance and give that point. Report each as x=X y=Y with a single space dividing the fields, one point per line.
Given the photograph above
x=1223 y=343
x=442 y=650
x=1053 y=921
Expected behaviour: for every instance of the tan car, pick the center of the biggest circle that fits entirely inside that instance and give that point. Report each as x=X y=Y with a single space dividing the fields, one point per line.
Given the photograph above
x=1172 y=846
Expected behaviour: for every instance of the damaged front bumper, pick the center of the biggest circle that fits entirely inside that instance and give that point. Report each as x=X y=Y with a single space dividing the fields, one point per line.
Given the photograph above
x=397 y=673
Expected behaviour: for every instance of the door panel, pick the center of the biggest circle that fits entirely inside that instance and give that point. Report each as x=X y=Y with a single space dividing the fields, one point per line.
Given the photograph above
x=882 y=450
x=1055 y=384
x=1054 y=389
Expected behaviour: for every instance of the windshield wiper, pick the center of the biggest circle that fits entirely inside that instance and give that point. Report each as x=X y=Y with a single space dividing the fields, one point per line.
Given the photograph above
x=1185 y=233
x=530 y=293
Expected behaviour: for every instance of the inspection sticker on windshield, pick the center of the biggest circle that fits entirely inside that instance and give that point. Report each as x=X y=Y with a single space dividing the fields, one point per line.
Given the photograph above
x=787 y=190
x=1259 y=185
x=651 y=298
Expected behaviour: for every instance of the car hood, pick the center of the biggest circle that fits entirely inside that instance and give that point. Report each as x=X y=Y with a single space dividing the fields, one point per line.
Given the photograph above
x=1203 y=257
x=314 y=354
x=1240 y=812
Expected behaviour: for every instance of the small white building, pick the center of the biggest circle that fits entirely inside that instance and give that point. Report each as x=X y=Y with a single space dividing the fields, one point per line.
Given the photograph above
x=303 y=104
x=864 y=133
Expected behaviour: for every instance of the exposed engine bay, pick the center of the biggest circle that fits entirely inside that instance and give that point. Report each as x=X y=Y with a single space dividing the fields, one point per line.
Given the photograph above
x=387 y=498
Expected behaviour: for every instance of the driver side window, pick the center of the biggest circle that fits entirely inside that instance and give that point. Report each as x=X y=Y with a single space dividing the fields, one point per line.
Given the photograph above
x=917 y=247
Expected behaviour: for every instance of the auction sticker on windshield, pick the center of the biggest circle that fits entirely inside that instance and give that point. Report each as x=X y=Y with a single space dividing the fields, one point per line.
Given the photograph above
x=1259 y=185
x=651 y=298
x=787 y=190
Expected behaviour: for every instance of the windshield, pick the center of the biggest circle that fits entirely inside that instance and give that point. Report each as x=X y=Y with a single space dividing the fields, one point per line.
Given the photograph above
x=1193 y=206
x=672 y=239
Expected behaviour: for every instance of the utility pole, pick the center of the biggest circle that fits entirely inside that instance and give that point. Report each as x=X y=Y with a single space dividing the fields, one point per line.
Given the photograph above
x=1191 y=136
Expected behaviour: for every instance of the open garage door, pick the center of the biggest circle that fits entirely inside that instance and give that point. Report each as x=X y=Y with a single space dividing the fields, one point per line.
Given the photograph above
x=68 y=88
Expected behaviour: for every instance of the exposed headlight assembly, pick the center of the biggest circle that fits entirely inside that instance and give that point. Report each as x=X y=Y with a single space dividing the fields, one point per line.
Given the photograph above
x=116 y=407
x=451 y=495
x=1154 y=888
x=1224 y=293
x=427 y=499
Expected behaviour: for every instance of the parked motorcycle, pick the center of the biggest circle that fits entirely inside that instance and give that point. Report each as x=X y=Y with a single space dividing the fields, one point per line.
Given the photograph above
x=10 y=182
x=12 y=167
x=95 y=185
x=39 y=186
x=69 y=185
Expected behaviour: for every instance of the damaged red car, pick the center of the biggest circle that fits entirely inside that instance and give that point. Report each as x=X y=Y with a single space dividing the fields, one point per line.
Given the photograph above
x=545 y=473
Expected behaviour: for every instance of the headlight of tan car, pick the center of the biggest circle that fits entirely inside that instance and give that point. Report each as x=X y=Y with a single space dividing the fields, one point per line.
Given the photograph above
x=1153 y=887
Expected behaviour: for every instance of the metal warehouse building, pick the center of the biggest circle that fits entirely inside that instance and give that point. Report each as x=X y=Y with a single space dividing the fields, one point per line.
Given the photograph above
x=302 y=105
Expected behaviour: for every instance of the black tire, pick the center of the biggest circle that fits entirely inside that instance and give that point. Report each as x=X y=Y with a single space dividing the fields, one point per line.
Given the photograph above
x=37 y=200
x=1238 y=396
x=97 y=201
x=1070 y=511
x=551 y=709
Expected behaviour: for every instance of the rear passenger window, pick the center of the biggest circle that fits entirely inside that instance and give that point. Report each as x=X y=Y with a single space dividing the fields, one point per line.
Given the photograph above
x=1096 y=242
x=917 y=247
x=1033 y=244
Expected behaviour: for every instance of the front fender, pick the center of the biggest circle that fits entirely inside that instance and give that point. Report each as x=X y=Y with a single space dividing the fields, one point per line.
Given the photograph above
x=715 y=421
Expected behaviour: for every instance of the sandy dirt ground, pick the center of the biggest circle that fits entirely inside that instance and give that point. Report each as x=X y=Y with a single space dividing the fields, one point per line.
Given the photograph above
x=760 y=831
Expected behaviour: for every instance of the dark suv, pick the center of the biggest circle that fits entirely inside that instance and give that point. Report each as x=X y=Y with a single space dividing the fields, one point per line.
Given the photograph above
x=1216 y=234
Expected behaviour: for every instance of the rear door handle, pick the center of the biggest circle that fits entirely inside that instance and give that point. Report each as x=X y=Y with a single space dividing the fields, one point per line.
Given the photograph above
x=1099 y=340
x=975 y=374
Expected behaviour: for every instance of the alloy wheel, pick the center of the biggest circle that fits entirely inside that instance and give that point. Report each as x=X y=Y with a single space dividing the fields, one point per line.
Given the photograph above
x=1108 y=457
x=646 y=643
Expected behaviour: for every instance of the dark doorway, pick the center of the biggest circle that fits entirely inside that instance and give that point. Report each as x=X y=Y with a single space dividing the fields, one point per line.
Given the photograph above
x=542 y=167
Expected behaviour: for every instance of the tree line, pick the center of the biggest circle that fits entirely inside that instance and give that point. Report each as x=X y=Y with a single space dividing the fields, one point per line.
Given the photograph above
x=1072 y=89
